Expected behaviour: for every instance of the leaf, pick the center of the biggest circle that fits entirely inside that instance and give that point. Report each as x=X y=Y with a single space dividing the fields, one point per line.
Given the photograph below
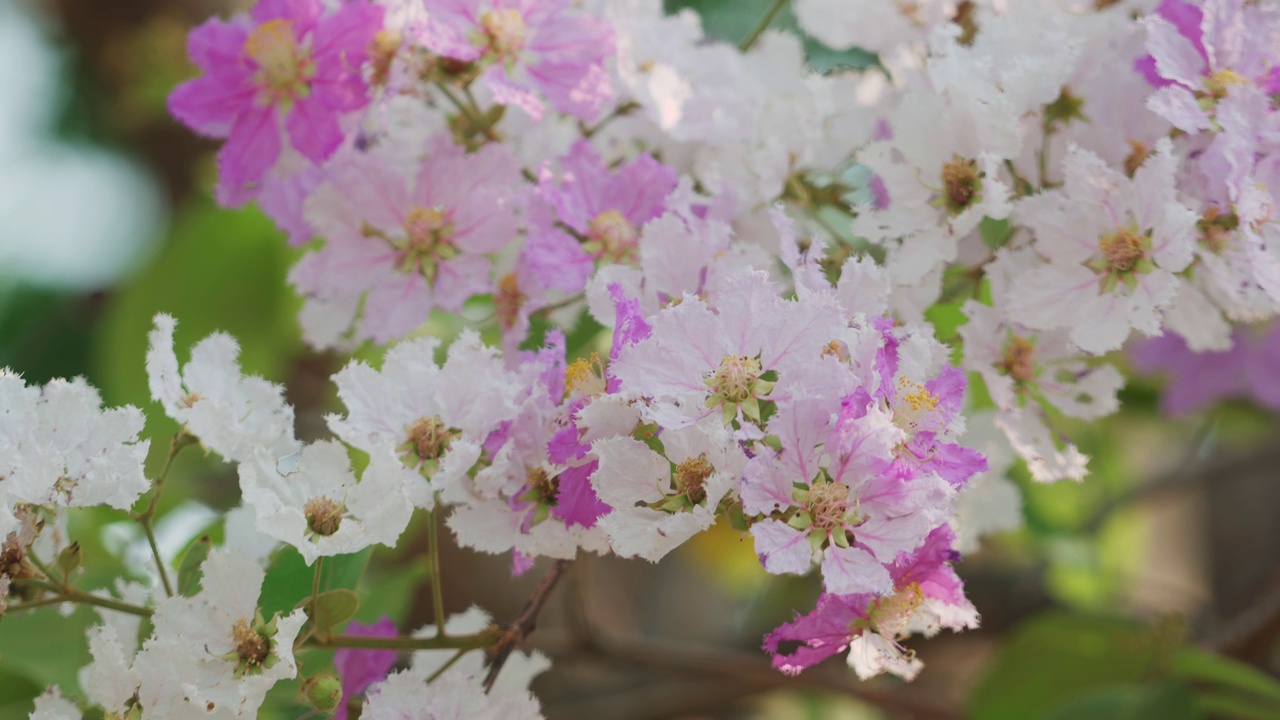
x=1057 y=656
x=289 y=578
x=1201 y=665
x=189 y=569
x=1168 y=701
x=331 y=608
x=1234 y=707
x=995 y=233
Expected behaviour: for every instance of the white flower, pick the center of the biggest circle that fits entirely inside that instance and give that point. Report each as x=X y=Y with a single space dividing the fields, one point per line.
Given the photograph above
x=320 y=507
x=661 y=500
x=110 y=679
x=407 y=696
x=431 y=419
x=517 y=672
x=231 y=414
x=52 y=706
x=214 y=655
x=59 y=446
x=990 y=503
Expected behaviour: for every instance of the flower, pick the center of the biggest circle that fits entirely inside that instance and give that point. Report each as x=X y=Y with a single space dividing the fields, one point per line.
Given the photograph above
x=527 y=48
x=360 y=668
x=231 y=414
x=1199 y=379
x=319 y=507
x=398 y=247
x=287 y=69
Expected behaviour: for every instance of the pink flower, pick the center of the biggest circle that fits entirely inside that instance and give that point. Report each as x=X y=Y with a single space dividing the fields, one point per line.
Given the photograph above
x=527 y=47
x=604 y=209
x=406 y=246
x=286 y=69
x=1197 y=380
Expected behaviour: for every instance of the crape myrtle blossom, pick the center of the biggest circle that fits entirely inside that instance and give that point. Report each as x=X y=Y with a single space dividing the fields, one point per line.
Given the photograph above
x=284 y=77
x=527 y=51
x=1197 y=380
x=361 y=668
x=1113 y=245
x=59 y=447
x=229 y=413
x=399 y=246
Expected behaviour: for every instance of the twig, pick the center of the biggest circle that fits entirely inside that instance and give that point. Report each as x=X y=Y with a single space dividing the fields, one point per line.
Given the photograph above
x=68 y=594
x=408 y=644
x=763 y=25
x=433 y=559
x=514 y=632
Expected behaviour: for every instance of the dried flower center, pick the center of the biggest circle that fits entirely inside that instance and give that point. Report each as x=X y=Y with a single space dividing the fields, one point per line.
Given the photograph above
x=508 y=300
x=284 y=68
x=691 y=478
x=967 y=22
x=828 y=504
x=616 y=237
x=1217 y=228
x=1019 y=360
x=250 y=644
x=323 y=515
x=428 y=439
x=544 y=484
x=1137 y=154
x=505 y=30
x=1122 y=249
x=960 y=183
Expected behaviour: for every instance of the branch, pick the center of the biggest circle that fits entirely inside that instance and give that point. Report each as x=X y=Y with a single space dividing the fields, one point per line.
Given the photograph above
x=408 y=644
x=514 y=632
x=763 y=25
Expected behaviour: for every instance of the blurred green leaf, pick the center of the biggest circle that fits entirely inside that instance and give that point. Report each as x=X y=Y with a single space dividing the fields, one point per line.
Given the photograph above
x=1057 y=657
x=1167 y=701
x=289 y=578
x=1204 y=666
x=1235 y=707
x=25 y=640
x=16 y=694
x=189 y=568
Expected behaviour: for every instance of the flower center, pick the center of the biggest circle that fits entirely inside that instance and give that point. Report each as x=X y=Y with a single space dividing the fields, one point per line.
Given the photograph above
x=323 y=515
x=1219 y=83
x=915 y=402
x=960 y=183
x=891 y=615
x=1019 y=360
x=428 y=439
x=1137 y=153
x=428 y=240
x=547 y=487
x=1122 y=249
x=506 y=31
x=735 y=380
x=691 y=478
x=284 y=68
x=828 y=504
x=584 y=377
x=251 y=645
x=612 y=235
x=1216 y=229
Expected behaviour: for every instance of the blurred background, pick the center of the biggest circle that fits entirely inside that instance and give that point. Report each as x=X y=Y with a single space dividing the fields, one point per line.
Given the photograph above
x=1152 y=590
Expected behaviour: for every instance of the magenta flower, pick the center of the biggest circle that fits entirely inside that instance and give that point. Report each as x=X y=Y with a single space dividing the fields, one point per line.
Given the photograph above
x=286 y=69
x=527 y=47
x=359 y=669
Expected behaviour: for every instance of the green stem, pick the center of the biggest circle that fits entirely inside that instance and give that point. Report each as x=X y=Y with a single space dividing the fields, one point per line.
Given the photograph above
x=456 y=657
x=437 y=589
x=468 y=111
x=155 y=551
x=409 y=644
x=761 y=26
x=77 y=596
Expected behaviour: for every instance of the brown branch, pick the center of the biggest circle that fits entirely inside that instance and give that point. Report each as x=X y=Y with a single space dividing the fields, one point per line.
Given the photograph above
x=514 y=632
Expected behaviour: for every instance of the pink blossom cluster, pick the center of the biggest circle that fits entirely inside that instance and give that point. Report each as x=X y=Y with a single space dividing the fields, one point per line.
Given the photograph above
x=760 y=247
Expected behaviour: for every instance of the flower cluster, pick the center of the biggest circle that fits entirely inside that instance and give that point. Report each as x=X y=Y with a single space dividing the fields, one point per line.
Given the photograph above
x=1061 y=174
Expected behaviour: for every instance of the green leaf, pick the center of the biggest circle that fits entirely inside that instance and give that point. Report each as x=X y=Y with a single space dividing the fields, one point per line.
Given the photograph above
x=1168 y=701
x=1235 y=707
x=331 y=608
x=16 y=694
x=189 y=569
x=289 y=578
x=1057 y=656
x=1204 y=666
x=995 y=233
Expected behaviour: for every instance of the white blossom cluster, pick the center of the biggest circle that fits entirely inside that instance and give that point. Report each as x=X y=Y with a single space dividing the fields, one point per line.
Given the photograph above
x=1067 y=174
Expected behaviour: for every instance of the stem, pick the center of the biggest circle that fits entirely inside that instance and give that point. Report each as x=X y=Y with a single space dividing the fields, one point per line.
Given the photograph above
x=761 y=26
x=523 y=626
x=73 y=595
x=456 y=657
x=155 y=551
x=468 y=110
x=588 y=131
x=437 y=589
x=408 y=644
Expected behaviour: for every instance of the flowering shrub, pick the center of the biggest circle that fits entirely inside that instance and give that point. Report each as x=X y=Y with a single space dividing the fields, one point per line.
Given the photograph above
x=764 y=244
